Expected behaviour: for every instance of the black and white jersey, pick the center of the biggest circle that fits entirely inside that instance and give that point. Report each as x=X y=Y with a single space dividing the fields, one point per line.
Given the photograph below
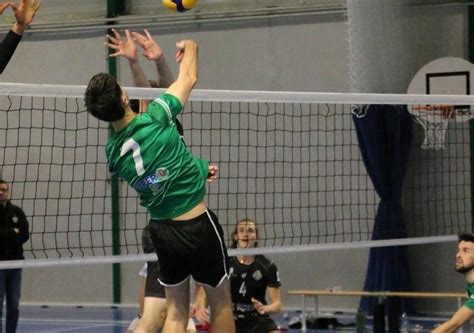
x=251 y=281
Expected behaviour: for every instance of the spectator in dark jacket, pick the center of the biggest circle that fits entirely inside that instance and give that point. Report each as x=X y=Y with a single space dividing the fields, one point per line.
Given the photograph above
x=13 y=233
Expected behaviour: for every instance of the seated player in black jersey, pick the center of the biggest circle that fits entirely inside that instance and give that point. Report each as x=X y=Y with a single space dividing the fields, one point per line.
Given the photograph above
x=24 y=13
x=250 y=278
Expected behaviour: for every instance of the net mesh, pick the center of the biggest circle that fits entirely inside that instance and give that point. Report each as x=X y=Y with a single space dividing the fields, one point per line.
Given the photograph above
x=289 y=160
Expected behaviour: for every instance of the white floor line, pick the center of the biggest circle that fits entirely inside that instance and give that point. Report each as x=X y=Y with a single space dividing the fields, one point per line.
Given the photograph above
x=72 y=329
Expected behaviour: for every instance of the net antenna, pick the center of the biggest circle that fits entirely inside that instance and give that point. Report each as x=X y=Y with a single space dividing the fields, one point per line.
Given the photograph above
x=443 y=76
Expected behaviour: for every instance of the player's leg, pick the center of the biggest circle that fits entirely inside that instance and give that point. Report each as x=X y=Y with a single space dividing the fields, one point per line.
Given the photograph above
x=2 y=294
x=265 y=324
x=141 y=298
x=169 y=239
x=154 y=303
x=177 y=299
x=13 y=292
x=222 y=319
x=214 y=275
x=153 y=316
x=191 y=326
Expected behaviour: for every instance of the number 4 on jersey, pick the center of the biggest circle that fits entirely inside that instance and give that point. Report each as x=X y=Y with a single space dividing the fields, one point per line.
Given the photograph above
x=243 y=289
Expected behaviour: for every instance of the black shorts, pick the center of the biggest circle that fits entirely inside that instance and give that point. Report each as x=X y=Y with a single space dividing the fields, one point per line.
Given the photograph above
x=153 y=287
x=190 y=248
x=255 y=324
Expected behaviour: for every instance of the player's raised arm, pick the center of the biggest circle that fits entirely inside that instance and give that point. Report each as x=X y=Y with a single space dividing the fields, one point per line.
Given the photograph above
x=187 y=57
x=24 y=12
x=153 y=51
x=124 y=46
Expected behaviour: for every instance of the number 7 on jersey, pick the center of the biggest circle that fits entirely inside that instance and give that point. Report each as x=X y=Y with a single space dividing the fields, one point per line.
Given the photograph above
x=132 y=145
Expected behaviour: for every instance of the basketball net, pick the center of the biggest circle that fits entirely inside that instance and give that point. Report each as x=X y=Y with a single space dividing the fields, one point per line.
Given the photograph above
x=435 y=120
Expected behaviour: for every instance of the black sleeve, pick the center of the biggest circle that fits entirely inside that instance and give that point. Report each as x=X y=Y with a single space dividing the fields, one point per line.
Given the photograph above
x=273 y=276
x=23 y=226
x=7 y=48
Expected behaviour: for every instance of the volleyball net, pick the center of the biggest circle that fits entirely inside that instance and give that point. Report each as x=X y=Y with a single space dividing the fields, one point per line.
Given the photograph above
x=291 y=161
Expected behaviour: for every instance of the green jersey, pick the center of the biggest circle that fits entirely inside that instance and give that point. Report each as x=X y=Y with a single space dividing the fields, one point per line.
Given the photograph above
x=150 y=155
x=470 y=296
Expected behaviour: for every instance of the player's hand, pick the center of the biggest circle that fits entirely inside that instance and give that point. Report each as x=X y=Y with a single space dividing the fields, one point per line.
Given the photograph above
x=4 y=5
x=202 y=315
x=25 y=11
x=212 y=173
x=181 y=46
x=123 y=46
x=151 y=49
x=258 y=306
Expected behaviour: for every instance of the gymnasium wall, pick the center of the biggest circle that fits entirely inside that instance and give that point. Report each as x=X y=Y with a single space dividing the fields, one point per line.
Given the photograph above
x=307 y=53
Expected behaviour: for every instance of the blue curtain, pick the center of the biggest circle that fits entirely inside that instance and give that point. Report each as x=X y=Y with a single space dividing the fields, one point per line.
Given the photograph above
x=385 y=133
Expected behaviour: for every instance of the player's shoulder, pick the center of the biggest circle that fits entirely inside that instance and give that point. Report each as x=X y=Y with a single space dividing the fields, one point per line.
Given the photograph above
x=233 y=261
x=263 y=261
x=14 y=208
x=165 y=101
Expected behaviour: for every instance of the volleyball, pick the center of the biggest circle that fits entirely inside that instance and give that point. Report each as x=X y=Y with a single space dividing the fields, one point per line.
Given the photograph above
x=179 y=5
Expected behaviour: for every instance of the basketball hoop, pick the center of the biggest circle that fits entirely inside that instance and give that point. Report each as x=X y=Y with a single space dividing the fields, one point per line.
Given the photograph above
x=442 y=76
x=435 y=120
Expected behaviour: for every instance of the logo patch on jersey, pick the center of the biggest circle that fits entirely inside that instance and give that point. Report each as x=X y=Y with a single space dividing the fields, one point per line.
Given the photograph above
x=15 y=219
x=153 y=181
x=162 y=174
x=156 y=188
x=257 y=275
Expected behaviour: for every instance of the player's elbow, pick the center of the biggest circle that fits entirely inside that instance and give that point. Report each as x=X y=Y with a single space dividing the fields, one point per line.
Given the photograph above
x=277 y=307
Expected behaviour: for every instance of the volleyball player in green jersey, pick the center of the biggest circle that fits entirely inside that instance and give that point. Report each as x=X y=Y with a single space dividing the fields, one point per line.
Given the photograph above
x=147 y=151
x=465 y=266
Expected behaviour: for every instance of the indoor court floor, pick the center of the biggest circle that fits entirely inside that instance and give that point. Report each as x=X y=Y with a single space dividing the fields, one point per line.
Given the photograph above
x=57 y=319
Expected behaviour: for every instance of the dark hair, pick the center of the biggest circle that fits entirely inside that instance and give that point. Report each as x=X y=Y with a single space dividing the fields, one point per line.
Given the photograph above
x=4 y=182
x=103 y=98
x=466 y=237
x=235 y=241
x=135 y=105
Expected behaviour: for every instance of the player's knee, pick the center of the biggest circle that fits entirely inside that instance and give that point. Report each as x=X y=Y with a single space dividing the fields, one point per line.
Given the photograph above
x=220 y=299
x=177 y=314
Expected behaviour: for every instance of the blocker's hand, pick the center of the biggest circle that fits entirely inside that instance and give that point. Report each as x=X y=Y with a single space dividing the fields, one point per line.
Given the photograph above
x=151 y=49
x=4 y=6
x=25 y=11
x=123 y=46
x=212 y=173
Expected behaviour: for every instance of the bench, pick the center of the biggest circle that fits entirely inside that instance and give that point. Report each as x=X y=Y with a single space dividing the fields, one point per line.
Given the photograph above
x=315 y=294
